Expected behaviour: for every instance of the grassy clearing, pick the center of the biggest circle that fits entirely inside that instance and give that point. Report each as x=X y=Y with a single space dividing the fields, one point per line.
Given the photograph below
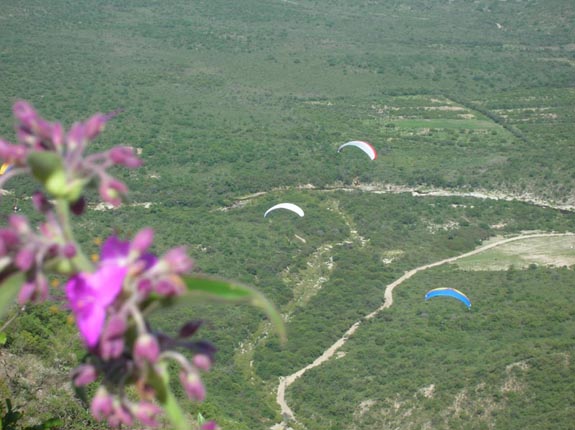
x=548 y=251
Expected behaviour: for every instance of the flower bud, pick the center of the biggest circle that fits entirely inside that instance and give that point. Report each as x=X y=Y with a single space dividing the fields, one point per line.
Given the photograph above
x=68 y=250
x=94 y=126
x=144 y=286
x=146 y=349
x=120 y=415
x=111 y=191
x=116 y=327
x=24 y=259
x=43 y=129
x=19 y=223
x=8 y=238
x=26 y=138
x=77 y=207
x=202 y=362
x=193 y=386
x=56 y=183
x=25 y=113
x=146 y=413
x=178 y=261
x=84 y=375
x=209 y=425
x=111 y=348
x=12 y=153
x=27 y=292
x=124 y=156
x=4 y=149
x=76 y=137
x=102 y=404
x=169 y=287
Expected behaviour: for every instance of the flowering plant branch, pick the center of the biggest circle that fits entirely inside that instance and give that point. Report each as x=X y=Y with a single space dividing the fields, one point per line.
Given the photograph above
x=108 y=299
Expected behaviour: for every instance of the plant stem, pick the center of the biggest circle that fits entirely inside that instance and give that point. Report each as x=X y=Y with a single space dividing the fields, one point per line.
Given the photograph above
x=79 y=261
x=170 y=404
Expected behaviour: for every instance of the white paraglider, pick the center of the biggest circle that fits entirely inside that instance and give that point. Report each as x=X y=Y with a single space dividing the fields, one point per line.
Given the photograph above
x=364 y=146
x=288 y=206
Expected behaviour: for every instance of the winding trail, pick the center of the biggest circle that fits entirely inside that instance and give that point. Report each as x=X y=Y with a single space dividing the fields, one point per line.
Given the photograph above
x=285 y=382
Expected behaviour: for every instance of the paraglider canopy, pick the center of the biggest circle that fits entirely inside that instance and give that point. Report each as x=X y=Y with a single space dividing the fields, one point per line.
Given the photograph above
x=449 y=292
x=5 y=168
x=288 y=206
x=364 y=146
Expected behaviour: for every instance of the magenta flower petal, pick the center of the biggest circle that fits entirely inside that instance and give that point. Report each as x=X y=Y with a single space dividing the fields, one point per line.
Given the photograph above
x=114 y=248
x=143 y=240
x=90 y=294
x=90 y=322
x=107 y=283
x=77 y=289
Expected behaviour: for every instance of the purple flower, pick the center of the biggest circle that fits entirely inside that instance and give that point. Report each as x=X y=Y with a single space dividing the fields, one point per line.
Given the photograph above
x=89 y=294
x=76 y=170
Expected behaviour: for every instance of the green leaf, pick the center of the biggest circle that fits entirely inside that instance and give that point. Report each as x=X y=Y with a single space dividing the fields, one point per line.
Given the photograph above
x=3 y=338
x=47 y=167
x=8 y=291
x=231 y=292
x=159 y=382
x=45 y=164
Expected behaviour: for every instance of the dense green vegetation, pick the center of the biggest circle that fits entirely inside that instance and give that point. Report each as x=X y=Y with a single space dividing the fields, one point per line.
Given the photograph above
x=501 y=357
x=225 y=99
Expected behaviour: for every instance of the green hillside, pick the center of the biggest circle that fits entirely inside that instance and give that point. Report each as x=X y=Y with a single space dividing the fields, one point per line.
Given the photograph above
x=235 y=106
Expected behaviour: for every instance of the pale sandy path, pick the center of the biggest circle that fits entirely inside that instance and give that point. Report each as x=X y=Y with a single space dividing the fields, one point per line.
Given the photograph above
x=285 y=382
x=388 y=188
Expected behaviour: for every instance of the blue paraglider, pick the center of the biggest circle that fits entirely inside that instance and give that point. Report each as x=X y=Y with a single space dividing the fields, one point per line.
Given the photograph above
x=449 y=292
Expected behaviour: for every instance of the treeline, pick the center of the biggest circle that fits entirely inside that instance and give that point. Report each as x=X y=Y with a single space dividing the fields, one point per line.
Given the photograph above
x=492 y=116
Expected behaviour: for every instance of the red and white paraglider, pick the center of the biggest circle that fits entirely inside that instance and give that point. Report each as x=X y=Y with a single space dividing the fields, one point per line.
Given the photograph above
x=364 y=146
